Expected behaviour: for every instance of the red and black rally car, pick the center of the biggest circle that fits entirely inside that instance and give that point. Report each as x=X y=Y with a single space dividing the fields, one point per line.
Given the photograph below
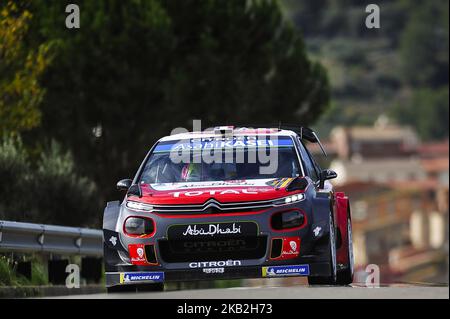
x=228 y=203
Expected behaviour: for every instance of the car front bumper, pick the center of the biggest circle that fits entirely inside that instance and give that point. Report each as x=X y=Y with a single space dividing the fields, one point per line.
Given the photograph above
x=142 y=276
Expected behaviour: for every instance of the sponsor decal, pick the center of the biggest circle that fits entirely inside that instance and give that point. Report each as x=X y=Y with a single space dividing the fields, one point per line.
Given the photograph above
x=223 y=143
x=113 y=240
x=213 y=270
x=280 y=271
x=249 y=191
x=212 y=230
x=209 y=230
x=215 y=264
x=290 y=248
x=137 y=254
x=141 y=277
x=212 y=184
x=280 y=182
x=316 y=231
x=218 y=144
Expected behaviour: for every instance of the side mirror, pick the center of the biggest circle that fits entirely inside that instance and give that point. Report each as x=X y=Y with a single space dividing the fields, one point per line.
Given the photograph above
x=124 y=184
x=326 y=175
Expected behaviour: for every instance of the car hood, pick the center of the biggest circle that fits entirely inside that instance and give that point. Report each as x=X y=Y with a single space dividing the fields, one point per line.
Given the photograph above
x=221 y=191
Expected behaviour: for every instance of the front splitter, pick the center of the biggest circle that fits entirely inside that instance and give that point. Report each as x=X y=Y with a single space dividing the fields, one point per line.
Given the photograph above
x=226 y=273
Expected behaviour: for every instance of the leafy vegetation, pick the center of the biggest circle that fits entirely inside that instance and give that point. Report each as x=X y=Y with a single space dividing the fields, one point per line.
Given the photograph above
x=20 y=69
x=88 y=103
x=137 y=69
x=45 y=191
x=400 y=69
x=9 y=277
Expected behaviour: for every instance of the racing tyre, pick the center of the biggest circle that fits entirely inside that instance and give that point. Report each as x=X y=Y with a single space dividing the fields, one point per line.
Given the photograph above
x=328 y=280
x=345 y=276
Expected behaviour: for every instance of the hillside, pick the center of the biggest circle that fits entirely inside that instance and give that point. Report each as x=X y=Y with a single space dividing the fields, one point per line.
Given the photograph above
x=400 y=69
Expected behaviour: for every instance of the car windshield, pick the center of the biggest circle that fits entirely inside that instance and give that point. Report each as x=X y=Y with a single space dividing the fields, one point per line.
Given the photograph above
x=221 y=160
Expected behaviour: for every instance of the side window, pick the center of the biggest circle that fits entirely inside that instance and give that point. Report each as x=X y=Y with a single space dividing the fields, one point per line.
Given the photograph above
x=308 y=163
x=316 y=165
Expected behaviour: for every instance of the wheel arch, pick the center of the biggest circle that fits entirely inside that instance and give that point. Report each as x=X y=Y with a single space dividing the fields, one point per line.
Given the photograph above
x=111 y=215
x=342 y=208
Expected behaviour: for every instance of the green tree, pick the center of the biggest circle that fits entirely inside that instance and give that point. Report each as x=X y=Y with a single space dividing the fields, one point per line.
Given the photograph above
x=136 y=69
x=20 y=69
x=46 y=191
x=427 y=111
x=424 y=44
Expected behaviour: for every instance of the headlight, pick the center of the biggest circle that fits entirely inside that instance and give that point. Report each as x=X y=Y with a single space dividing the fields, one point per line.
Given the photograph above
x=139 y=206
x=290 y=199
x=294 y=198
x=138 y=226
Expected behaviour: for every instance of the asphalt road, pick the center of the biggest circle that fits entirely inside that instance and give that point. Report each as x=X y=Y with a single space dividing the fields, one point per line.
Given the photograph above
x=400 y=291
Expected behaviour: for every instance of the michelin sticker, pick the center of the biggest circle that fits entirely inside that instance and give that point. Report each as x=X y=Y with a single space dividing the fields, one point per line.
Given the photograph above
x=277 y=271
x=141 y=277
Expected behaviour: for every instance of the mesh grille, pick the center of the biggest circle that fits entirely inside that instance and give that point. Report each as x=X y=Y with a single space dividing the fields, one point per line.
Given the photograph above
x=239 y=248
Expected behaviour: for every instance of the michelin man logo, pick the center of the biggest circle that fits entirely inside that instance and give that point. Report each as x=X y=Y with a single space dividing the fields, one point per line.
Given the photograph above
x=271 y=272
x=293 y=245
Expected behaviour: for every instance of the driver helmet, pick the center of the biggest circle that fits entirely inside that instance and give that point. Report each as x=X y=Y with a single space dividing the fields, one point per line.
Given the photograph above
x=191 y=172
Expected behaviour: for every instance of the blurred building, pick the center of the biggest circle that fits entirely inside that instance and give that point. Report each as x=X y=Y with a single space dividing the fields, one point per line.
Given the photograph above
x=435 y=161
x=380 y=154
x=380 y=141
x=399 y=192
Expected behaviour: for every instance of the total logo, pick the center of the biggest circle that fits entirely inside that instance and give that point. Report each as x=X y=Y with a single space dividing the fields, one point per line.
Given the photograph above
x=216 y=192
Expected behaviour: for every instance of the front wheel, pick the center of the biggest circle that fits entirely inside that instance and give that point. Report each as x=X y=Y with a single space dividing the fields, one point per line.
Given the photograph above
x=328 y=280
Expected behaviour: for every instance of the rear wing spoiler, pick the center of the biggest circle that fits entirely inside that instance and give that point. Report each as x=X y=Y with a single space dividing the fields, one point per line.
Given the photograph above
x=305 y=133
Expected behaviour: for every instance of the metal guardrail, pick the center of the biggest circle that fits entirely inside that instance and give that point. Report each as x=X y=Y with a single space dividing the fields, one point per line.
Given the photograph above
x=27 y=237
